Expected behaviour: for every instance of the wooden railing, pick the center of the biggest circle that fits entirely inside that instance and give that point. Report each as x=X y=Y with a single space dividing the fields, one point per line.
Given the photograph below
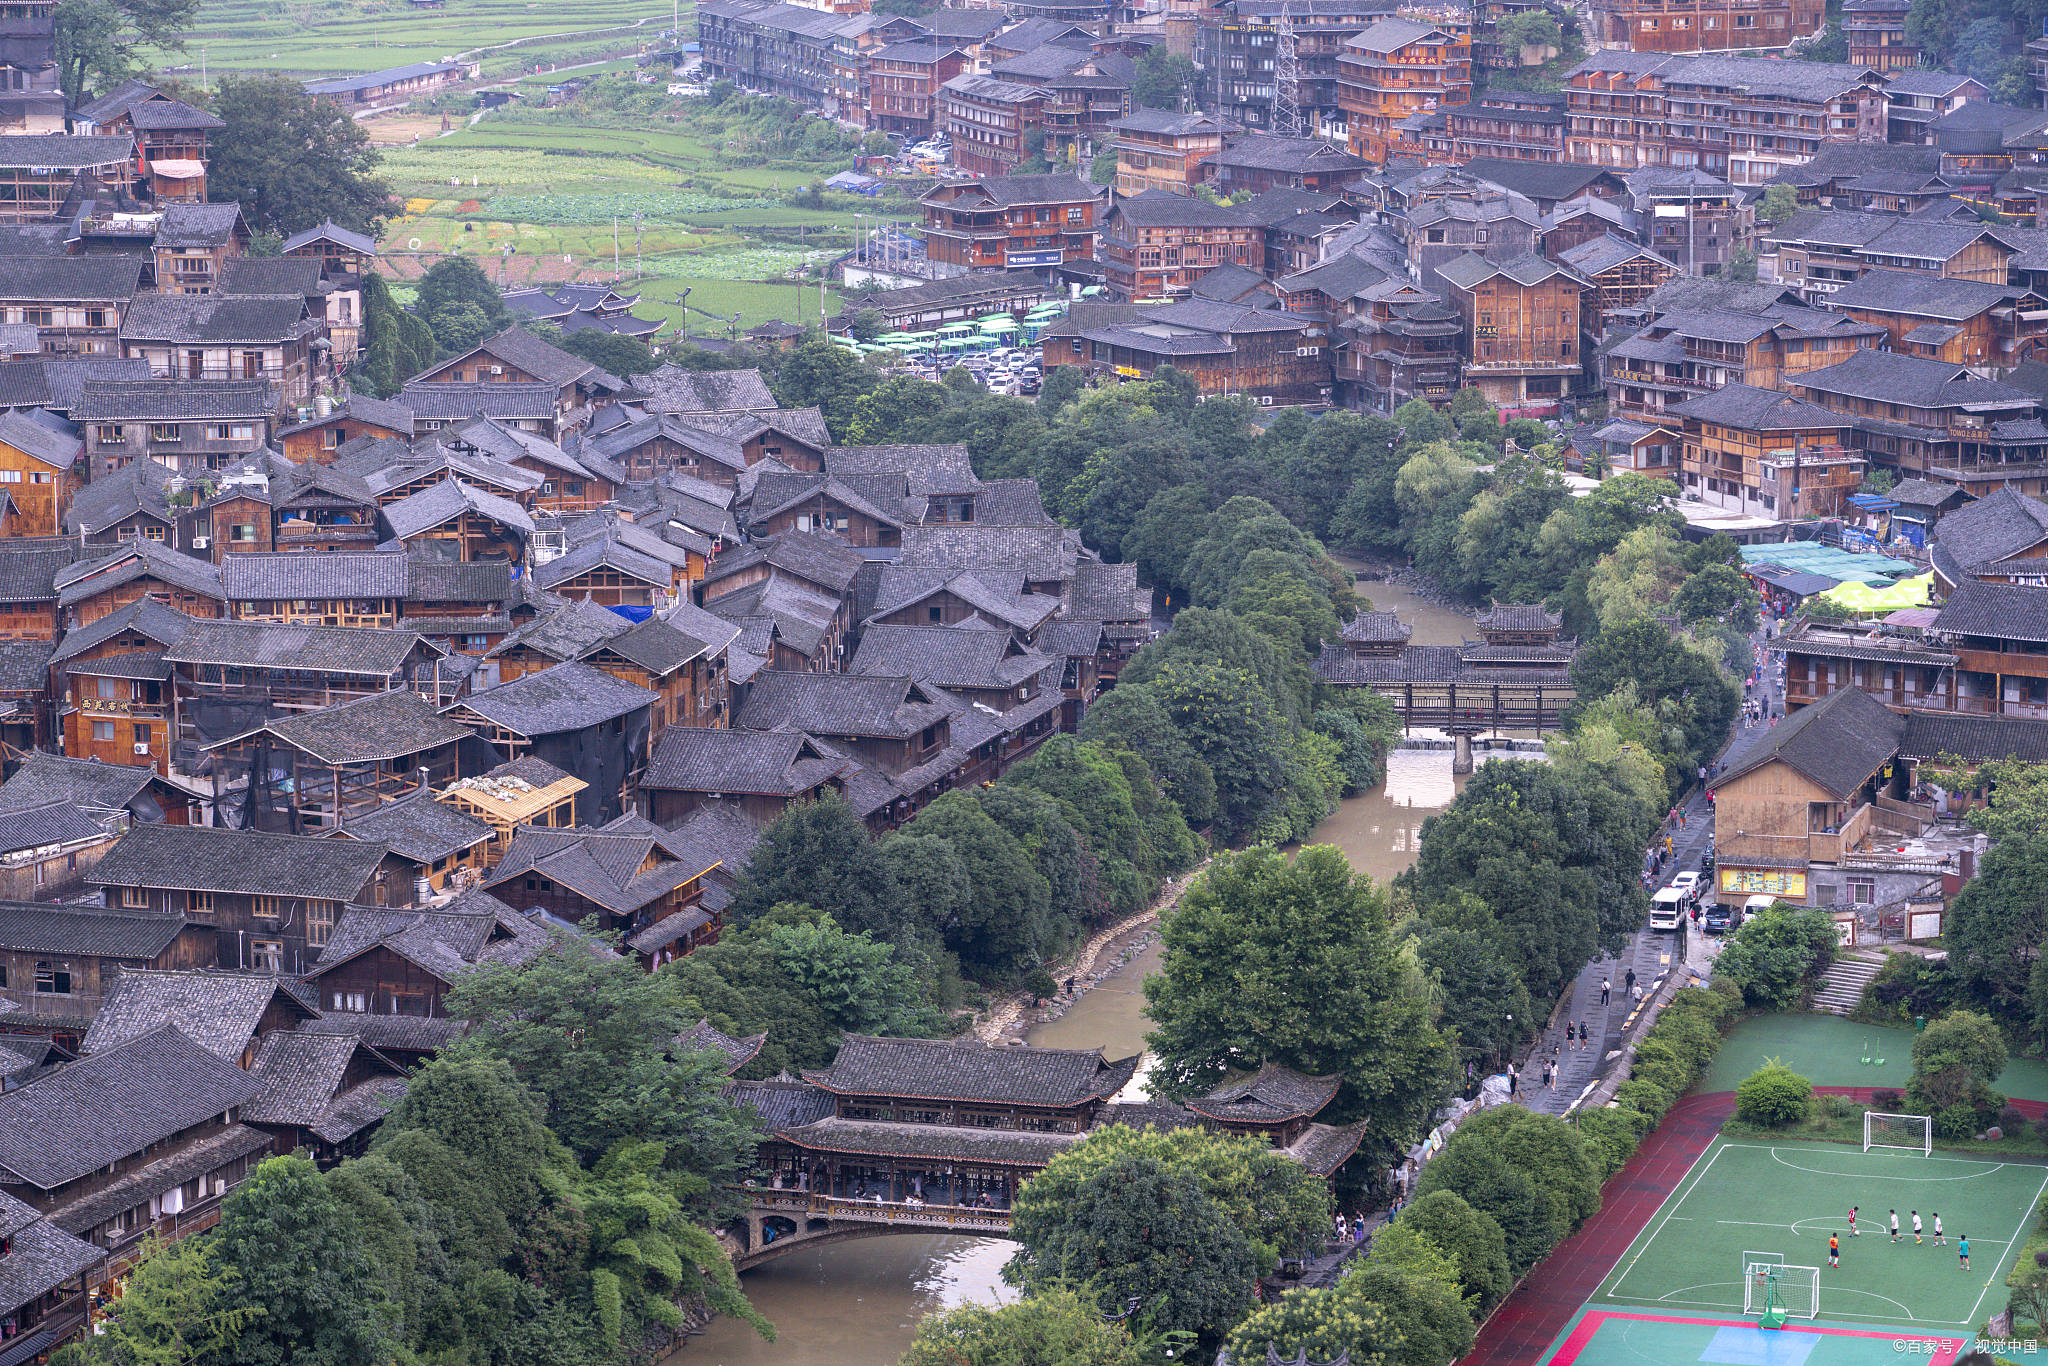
x=816 y=1206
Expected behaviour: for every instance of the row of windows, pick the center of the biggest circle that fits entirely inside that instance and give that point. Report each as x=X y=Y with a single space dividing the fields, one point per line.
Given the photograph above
x=115 y=434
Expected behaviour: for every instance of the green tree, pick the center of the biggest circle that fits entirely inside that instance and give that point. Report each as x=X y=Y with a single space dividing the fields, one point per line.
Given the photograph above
x=396 y=345
x=459 y=327
x=824 y=375
x=1776 y=952
x=299 y=1260
x=101 y=43
x=1062 y=385
x=590 y=1034
x=1472 y=1240
x=1131 y=718
x=818 y=853
x=1996 y=927
x=1774 y=1096
x=1294 y=963
x=612 y=352
x=291 y=160
x=1271 y=1204
x=1401 y=1306
x=182 y=1307
x=1056 y=1328
x=1672 y=678
x=1955 y=1060
x=1779 y=204
x=459 y=280
x=1004 y=927
x=1163 y=80
x=1230 y=723
x=1138 y=1229
x=1484 y=1000
x=867 y=325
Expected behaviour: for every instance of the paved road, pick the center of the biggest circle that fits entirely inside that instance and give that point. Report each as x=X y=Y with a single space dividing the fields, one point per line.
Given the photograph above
x=1649 y=954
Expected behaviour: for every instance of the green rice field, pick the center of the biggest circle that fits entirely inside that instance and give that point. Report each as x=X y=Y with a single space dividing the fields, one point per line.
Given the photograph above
x=345 y=36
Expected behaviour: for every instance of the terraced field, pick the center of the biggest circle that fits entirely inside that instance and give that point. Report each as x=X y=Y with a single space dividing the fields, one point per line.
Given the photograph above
x=341 y=36
x=714 y=223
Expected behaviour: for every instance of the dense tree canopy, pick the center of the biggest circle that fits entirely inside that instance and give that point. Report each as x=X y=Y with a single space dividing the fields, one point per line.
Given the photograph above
x=292 y=160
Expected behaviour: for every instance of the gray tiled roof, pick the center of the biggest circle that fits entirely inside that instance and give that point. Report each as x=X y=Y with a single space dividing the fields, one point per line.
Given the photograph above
x=205 y=858
x=1889 y=377
x=362 y=650
x=1997 y=610
x=93 y=1112
x=491 y=398
x=473 y=930
x=68 y=279
x=832 y=705
x=1836 y=743
x=563 y=698
x=543 y=360
x=1930 y=735
x=1912 y=293
x=1758 y=410
x=1270 y=152
x=372 y=729
x=418 y=828
x=354 y=241
x=50 y=823
x=58 y=449
x=609 y=868
x=213 y=318
x=103 y=400
x=1038 y=552
x=274 y=275
x=814 y=557
x=754 y=762
x=1995 y=527
x=442 y=502
x=672 y=389
x=28 y=567
x=90 y=783
x=1274 y=1095
x=950 y=656
x=947 y=1069
x=133 y=560
x=410 y=1033
x=198 y=225
x=88 y=931
x=112 y=498
x=568 y=632
x=314 y=574
x=302 y=1077
x=146 y=617
x=219 y=1011
x=736 y=1052
x=41 y=1257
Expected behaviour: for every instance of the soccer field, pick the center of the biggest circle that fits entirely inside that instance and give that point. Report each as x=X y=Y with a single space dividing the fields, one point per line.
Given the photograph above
x=1784 y=1201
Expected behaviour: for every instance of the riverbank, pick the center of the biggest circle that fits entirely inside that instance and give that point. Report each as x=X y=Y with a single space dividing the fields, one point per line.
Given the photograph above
x=1102 y=957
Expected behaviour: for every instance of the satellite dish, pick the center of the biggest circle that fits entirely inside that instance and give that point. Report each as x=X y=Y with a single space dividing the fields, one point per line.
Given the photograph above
x=414 y=244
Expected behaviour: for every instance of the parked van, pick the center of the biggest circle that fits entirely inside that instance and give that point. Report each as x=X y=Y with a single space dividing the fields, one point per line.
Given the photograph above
x=1667 y=908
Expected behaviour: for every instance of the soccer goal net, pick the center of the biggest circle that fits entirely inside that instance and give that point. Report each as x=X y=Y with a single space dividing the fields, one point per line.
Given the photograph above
x=1911 y=1133
x=1775 y=1290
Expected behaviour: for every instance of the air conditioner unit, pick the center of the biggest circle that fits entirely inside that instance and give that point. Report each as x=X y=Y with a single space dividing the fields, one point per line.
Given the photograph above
x=497 y=369
x=142 y=748
x=201 y=542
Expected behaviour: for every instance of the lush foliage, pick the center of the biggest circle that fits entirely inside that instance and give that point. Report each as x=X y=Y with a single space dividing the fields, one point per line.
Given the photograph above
x=396 y=345
x=1294 y=962
x=1955 y=1060
x=292 y=160
x=1773 y=1096
x=1057 y=1328
x=1777 y=952
x=1183 y=1221
x=1997 y=924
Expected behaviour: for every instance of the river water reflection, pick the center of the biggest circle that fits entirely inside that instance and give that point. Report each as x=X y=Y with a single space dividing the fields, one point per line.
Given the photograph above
x=856 y=1304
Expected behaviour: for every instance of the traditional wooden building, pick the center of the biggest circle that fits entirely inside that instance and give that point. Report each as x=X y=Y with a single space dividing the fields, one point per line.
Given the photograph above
x=1522 y=321
x=323 y=1094
x=580 y=719
x=1011 y=222
x=190 y=425
x=1515 y=125
x=316 y=440
x=42 y=464
x=904 y=81
x=40 y=171
x=1767 y=454
x=1518 y=674
x=1960 y=322
x=46 y=849
x=1819 y=251
x=1876 y=32
x=1685 y=352
x=1156 y=244
x=386 y=962
x=1620 y=274
x=91 y=589
x=455 y=520
x=1261 y=162
x=1395 y=68
x=634 y=877
x=1272 y=356
x=1935 y=421
x=1160 y=150
x=991 y=122
x=271 y=899
x=526 y=791
x=62 y=960
x=115 y=697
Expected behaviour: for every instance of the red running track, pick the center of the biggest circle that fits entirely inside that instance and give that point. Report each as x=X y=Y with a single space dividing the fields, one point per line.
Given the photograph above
x=1525 y=1325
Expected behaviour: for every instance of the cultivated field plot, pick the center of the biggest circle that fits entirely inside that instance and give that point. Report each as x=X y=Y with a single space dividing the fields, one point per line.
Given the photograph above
x=369 y=35
x=1784 y=1201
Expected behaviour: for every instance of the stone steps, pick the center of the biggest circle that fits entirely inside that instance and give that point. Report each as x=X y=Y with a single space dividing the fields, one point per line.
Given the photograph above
x=1843 y=985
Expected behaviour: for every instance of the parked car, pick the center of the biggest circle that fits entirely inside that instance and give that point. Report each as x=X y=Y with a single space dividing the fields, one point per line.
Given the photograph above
x=1720 y=919
x=1688 y=883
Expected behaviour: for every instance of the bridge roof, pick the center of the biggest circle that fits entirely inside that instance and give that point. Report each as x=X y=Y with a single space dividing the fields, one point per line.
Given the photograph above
x=1273 y=1096
x=930 y=1142
x=964 y=1070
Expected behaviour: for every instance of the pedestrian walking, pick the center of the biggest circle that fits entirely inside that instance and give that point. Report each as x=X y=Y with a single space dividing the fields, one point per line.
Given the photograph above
x=1938 y=1239
x=1605 y=987
x=1635 y=994
x=1895 y=1226
x=1630 y=979
x=1584 y=1041
x=1341 y=1229
x=1916 y=1228
x=1514 y=1082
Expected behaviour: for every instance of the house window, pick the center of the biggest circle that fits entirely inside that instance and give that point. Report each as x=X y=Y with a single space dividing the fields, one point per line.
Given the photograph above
x=10 y=476
x=355 y=1001
x=39 y=317
x=110 y=434
x=319 y=921
x=199 y=903
x=1862 y=890
x=266 y=955
x=268 y=907
x=52 y=980
x=231 y=431
x=103 y=730
x=935 y=614
x=166 y=431
x=142 y=738
x=95 y=317
x=252 y=365
x=135 y=897
x=242 y=531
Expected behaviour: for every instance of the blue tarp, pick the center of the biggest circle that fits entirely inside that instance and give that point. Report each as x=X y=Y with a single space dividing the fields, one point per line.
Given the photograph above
x=633 y=613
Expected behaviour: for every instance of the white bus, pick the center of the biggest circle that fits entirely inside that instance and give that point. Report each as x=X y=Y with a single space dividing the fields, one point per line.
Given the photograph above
x=1667 y=908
